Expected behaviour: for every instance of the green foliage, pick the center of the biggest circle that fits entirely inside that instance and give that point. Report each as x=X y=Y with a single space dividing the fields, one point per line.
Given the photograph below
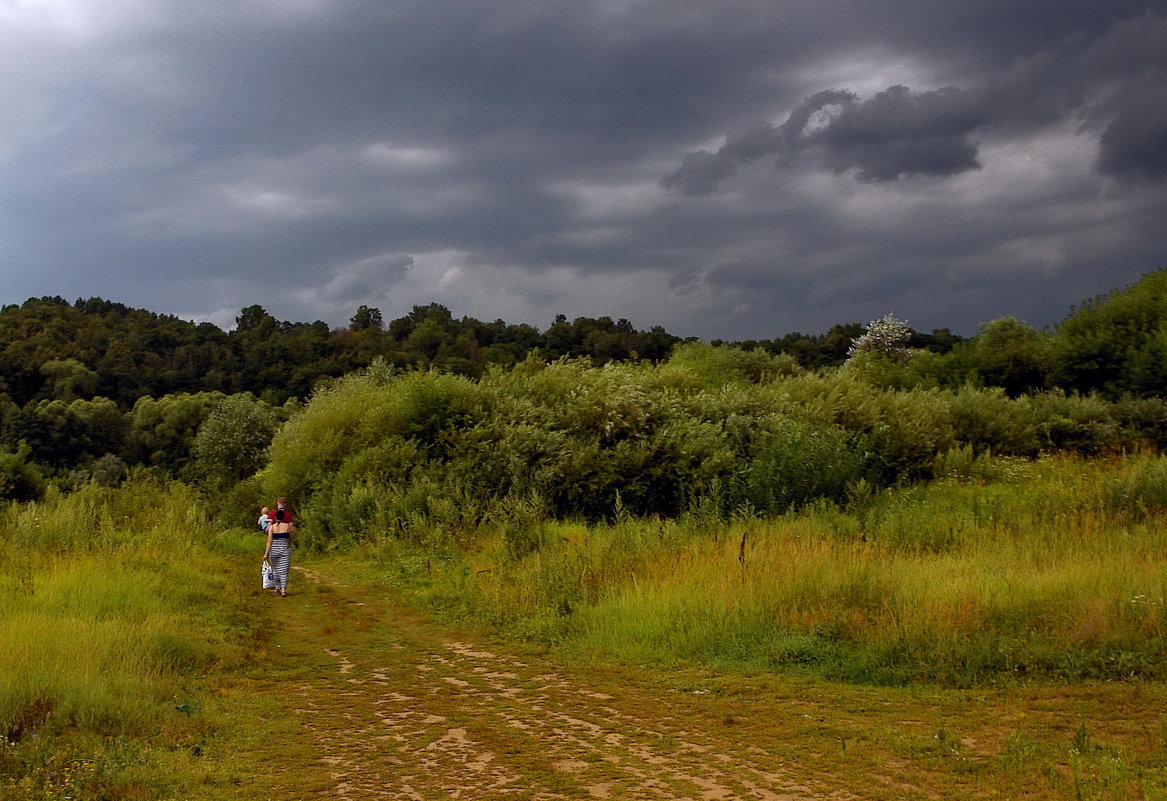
x=1117 y=343
x=162 y=432
x=896 y=434
x=1011 y=355
x=109 y=471
x=61 y=434
x=19 y=480
x=69 y=379
x=1085 y=424
x=986 y=420
x=719 y=365
x=652 y=439
x=232 y=442
x=378 y=453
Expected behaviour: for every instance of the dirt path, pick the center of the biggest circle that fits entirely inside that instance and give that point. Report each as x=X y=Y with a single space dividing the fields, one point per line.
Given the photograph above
x=396 y=708
x=357 y=698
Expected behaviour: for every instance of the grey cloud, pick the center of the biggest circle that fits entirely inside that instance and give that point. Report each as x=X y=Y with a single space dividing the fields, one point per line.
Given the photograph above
x=185 y=155
x=1135 y=141
x=1111 y=80
x=900 y=133
x=894 y=134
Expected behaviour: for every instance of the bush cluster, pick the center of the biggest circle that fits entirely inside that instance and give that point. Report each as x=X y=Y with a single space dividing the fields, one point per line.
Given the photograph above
x=714 y=428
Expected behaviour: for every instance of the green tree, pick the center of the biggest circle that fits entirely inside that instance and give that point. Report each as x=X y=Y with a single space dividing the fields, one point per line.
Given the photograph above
x=1013 y=356
x=20 y=480
x=232 y=442
x=69 y=379
x=1117 y=343
x=162 y=432
x=366 y=318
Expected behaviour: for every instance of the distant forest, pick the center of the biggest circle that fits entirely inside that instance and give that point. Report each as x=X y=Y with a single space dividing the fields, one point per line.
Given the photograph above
x=53 y=349
x=91 y=388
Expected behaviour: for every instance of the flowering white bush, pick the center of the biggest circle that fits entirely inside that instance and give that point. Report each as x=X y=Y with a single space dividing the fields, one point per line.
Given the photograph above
x=886 y=336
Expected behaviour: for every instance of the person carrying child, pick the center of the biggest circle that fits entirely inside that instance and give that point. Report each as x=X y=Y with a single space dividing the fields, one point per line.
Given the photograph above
x=279 y=546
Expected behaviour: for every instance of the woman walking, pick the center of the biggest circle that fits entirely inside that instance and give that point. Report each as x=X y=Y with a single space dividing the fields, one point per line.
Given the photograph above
x=279 y=547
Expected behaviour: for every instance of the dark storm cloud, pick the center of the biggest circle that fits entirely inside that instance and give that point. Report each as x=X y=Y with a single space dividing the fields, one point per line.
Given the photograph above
x=506 y=158
x=896 y=133
x=1116 y=81
x=1135 y=140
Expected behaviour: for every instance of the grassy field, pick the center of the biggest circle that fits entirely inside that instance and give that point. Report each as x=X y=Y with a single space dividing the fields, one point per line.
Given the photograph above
x=115 y=605
x=995 y=634
x=1005 y=570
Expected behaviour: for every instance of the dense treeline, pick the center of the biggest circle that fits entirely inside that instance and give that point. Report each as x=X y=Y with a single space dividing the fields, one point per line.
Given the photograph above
x=91 y=389
x=54 y=350
x=721 y=430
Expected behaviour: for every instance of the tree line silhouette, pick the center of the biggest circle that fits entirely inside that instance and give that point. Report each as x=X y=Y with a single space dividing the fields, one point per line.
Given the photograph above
x=91 y=388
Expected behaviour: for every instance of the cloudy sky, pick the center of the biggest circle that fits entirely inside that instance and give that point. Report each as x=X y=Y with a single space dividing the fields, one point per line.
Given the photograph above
x=724 y=168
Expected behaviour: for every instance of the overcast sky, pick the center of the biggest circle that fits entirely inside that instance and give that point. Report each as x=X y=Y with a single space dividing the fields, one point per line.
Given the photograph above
x=724 y=168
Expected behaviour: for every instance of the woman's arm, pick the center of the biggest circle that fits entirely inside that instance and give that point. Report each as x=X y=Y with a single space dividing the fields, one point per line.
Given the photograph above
x=267 y=548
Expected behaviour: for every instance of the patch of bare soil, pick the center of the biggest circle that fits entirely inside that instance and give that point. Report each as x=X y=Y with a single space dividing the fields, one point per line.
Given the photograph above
x=399 y=709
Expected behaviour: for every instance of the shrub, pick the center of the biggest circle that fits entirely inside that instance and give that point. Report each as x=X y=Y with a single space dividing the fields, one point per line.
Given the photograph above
x=789 y=463
x=897 y=434
x=108 y=471
x=1083 y=424
x=987 y=420
x=232 y=442
x=20 y=480
x=714 y=366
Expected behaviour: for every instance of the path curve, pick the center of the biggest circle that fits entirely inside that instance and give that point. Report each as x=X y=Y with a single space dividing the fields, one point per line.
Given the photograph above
x=401 y=709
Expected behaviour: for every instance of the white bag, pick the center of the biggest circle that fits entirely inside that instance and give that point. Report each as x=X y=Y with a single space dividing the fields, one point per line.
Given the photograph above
x=269 y=576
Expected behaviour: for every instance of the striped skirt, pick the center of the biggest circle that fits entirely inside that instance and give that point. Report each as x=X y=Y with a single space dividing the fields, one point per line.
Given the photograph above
x=281 y=558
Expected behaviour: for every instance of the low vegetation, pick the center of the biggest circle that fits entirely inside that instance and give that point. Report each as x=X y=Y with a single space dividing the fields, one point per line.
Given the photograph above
x=933 y=515
x=113 y=606
x=1051 y=570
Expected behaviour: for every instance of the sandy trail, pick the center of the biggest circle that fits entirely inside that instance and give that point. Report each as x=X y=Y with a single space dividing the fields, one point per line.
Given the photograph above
x=401 y=710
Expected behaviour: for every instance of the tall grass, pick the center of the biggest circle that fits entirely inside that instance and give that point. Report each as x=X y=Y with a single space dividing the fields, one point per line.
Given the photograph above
x=1055 y=568
x=111 y=606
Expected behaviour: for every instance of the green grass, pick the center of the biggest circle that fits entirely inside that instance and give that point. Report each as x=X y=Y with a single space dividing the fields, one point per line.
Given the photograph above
x=137 y=662
x=113 y=608
x=1052 y=570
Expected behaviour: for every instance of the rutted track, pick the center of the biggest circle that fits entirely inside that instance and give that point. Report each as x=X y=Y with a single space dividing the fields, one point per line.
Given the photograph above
x=406 y=711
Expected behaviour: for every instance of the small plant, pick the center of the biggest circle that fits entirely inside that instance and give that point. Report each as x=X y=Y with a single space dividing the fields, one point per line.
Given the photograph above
x=1082 y=742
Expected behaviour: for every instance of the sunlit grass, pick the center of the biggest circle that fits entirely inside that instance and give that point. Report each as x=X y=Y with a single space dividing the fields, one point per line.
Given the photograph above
x=111 y=608
x=1055 y=569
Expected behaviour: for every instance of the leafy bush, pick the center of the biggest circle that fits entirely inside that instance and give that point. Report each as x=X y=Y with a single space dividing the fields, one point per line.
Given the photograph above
x=20 y=480
x=162 y=431
x=790 y=463
x=1084 y=424
x=232 y=442
x=1117 y=343
x=377 y=453
x=987 y=420
x=719 y=365
x=897 y=434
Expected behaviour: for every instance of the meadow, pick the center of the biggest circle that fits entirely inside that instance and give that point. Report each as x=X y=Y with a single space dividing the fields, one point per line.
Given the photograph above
x=723 y=519
x=133 y=633
x=1048 y=570
x=115 y=604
